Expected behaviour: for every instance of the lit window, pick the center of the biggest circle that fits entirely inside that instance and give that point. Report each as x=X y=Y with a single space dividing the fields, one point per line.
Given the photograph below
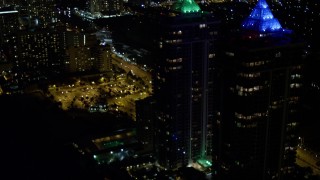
x=278 y=54
x=202 y=26
x=211 y=55
x=229 y=53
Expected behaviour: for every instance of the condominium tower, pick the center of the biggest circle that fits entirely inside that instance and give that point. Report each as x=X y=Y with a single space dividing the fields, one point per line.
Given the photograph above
x=258 y=86
x=183 y=74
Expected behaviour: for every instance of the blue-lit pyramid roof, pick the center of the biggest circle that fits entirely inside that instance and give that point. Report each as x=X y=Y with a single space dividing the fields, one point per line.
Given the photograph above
x=261 y=19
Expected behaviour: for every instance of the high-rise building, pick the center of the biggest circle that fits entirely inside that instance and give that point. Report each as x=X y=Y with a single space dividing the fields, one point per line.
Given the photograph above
x=9 y=23
x=83 y=53
x=104 y=59
x=80 y=52
x=258 y=88
x=39 y=13
x=37 y=53
x=146 y=123
x=6 y=3
x=106 y=6
x=184 y=54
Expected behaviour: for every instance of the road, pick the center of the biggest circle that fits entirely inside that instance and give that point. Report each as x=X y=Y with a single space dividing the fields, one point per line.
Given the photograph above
x=306 y=158
x=90 y=94
x=127 y=66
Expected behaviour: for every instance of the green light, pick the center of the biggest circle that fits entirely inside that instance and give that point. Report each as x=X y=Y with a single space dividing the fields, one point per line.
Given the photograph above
x=209 y=163
x=186 y=6
x=112 y=144
x=205 y=163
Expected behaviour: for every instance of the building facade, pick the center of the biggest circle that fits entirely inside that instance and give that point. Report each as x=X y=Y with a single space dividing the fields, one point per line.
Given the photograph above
x=38 y=13
x=258 y=76
x=106 y=7
x=37 y=53
x=9 y=23
x=184 y=55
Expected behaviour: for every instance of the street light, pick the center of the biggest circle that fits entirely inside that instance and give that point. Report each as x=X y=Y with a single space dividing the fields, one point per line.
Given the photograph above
x=300 y=141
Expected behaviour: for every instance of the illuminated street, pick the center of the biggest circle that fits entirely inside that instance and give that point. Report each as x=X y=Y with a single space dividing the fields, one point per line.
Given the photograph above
x=306 y=158
x=160 y=90
x=127 y=66
x=117 y=94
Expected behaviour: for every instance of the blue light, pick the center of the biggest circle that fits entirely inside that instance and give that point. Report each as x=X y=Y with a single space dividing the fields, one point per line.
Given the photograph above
x=174 y=137
x=261 y=19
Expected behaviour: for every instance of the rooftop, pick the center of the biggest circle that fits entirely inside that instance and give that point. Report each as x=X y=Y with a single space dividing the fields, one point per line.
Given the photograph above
x=186 y=6
x=261 y=19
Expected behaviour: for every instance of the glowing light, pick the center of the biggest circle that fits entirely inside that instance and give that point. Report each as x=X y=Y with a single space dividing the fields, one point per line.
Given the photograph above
x=204 y=162
x=8 y=12
x=186 y=6
x=261 y=19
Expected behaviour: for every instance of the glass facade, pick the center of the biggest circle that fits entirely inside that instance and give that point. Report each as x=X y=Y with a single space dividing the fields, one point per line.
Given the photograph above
x=182 y=88
x=258 y=100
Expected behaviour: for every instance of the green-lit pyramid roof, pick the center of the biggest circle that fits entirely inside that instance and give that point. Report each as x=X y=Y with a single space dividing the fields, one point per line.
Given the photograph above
x=186 y=6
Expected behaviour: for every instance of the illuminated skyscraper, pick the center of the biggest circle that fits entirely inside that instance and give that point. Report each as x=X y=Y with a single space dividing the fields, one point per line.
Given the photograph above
x=6 y=3
x=80 y=55
x=39 y=12
x=9 y=23
x=183 y=84
x=36 y=54
x=258 y=93
x=106 y=6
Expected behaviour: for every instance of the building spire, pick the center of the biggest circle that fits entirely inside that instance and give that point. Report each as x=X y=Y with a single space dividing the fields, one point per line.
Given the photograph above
x=261 y=19
x=186 y=6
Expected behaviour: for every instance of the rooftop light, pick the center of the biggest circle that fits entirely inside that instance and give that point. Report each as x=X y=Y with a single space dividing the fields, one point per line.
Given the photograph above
x=261 y=19
x=186 y=6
